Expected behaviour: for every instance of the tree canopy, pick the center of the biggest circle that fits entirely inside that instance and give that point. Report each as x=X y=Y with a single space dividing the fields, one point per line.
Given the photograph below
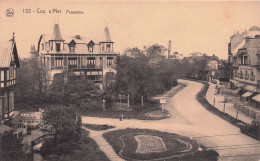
x=10 y=147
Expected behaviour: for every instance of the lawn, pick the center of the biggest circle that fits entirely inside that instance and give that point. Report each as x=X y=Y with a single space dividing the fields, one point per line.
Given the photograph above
x=177 y=147
x=138 y=112
x=98 y=127
x=150 y=111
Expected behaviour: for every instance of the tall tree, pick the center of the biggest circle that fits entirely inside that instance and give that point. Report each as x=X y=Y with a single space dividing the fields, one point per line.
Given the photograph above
x=32 y=80
x=65 y=121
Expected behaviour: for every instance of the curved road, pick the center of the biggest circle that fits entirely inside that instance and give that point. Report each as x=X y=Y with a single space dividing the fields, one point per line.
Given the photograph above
x=191 y=119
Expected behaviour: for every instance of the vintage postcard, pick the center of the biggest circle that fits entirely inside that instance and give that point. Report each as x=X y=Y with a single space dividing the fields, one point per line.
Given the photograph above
x=129 y=80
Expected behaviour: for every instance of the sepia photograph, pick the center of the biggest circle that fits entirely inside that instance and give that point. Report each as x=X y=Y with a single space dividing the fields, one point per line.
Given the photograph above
x=129 y=80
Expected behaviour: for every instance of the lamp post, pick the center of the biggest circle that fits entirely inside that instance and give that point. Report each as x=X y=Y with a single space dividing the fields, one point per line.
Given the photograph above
x=142 y=101
x=128 y=101
x=104 y=102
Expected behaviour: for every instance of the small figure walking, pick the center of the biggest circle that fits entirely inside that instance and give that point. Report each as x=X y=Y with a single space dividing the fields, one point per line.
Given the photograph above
x=121 y=117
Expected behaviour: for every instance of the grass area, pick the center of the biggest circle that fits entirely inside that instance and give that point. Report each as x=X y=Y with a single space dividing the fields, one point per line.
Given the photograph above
x=201 y=97
x=137 y=113
x=126 y=146
x=98 y=127
x=150 y=111
x=85 y=150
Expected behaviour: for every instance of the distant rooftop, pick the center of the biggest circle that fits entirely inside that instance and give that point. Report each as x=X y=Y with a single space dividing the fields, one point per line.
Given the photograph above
x=254 y=28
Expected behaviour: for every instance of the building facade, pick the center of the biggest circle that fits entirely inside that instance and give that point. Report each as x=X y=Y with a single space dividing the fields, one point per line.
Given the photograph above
x=83 y=56
x=244 y=53
x=9 y=62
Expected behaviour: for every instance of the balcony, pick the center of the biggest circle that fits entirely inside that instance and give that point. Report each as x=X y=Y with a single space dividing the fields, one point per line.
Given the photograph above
x=246 y=76
x=91 y=66
x=58 y=67
x=72 y=66
x=252 y=77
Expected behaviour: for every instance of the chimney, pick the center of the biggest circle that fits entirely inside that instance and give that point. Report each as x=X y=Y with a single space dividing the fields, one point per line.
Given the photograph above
x=247 y=39
x=257 y=36
x=77 y=36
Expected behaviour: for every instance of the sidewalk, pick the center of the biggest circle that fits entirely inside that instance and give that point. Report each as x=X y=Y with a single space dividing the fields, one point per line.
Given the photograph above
x=229 y=107
x=103 y=144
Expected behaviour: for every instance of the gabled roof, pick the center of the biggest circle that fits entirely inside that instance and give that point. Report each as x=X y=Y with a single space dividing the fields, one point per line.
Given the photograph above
x=236 y=41
x=56 y=35
x=72 y=42
x=6 y=50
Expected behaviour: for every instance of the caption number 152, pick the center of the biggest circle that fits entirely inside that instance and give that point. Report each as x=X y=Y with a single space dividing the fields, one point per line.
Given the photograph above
x=26 y=10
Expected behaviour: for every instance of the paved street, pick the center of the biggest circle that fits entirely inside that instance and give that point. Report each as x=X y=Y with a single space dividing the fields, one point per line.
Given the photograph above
x=190 y=118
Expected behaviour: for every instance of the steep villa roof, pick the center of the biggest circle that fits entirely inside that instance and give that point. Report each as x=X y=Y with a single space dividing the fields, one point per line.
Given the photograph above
x=56 y=35
x=8 y=48
x=106 y=37
x=81 y=43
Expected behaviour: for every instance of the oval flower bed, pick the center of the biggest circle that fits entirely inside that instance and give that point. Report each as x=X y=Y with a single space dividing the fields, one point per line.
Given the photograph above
x=143 y=144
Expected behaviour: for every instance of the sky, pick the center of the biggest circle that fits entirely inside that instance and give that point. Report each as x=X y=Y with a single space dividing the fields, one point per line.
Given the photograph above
x=192 y=26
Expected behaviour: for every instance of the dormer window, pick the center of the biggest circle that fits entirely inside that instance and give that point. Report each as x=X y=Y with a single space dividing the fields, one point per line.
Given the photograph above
x=91 y=46
x=72 y=45
x=72 y=48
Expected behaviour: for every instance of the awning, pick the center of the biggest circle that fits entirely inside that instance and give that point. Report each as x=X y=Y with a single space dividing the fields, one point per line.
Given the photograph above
x=256 y=98
x=250 y=88
x=236 y=91
x=238 y=84
x=247 y=94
